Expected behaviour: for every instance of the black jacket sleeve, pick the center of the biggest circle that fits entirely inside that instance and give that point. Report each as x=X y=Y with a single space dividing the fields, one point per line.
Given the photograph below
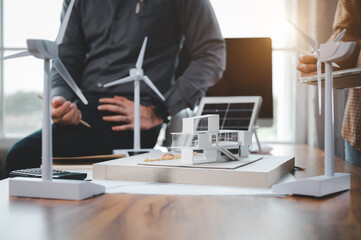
x=206 y=45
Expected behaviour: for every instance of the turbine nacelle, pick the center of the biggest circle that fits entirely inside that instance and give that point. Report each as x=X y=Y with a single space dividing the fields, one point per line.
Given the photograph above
x=336 y=51
x=316 y=54
x=42 y=49
x=136 y=73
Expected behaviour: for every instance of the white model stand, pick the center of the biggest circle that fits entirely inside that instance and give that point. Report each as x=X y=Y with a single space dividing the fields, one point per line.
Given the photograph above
x=210 y=145
x=137 y=74
x=330 y=182
x=54 y=189
x=47 y=187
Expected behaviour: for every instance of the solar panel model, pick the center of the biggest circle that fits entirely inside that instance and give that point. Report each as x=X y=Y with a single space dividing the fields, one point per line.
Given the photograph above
x=235 y=113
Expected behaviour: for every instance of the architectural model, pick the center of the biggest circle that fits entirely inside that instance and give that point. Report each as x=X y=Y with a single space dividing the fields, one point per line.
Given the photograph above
x=212 y=144
x=203 y=155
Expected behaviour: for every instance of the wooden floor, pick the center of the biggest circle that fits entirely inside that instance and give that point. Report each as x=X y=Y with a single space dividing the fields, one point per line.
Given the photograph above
x=123 y=216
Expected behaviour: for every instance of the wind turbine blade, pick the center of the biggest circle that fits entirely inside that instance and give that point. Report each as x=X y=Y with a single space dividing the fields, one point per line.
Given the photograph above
x=120 y=81
x=339 y=36
x=311 y=41
x=141 y=54
x=59 y=66
x=17 y=55
x=153 y=87
x=319 y=87
x=64 y=24
x=335 y=65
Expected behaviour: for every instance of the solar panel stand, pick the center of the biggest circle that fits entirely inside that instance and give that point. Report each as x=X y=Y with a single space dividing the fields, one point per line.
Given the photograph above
x=254 y=131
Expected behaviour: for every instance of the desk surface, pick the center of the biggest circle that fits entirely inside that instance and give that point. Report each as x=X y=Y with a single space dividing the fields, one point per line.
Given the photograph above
x=124 y=216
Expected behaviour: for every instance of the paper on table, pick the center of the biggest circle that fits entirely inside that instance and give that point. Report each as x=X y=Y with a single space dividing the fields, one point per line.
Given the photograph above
x=212 y=165
x=132 y=187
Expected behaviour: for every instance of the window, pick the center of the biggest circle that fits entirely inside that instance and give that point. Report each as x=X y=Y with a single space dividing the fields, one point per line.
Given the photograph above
x=22 y=79
x=264 y=18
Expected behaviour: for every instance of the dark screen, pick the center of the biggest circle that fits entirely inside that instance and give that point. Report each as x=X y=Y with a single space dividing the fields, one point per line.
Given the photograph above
x=248 y=72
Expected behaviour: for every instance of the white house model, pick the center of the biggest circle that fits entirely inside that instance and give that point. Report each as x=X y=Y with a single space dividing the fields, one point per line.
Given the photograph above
x=210 y=144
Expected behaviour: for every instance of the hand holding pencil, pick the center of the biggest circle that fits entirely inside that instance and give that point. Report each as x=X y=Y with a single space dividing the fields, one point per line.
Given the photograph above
x=65 y=113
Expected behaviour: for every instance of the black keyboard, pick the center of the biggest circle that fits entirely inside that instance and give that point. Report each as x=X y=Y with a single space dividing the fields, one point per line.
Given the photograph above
x=57 y=174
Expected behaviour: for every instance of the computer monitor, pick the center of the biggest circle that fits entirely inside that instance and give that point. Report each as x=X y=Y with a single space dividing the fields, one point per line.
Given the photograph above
x=248 y=73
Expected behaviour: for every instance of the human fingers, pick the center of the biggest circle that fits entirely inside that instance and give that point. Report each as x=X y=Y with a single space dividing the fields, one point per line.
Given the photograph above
x=57 y=101
x=72 y=117
x=307 y=59
x=112 y=108
x=59 y=111
x=123 y=127
x=124 y=99
x=111 y=101
x=117 y=118
x=307 y=69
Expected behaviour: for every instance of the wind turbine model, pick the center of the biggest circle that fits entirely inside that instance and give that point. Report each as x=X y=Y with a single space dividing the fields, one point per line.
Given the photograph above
x=137 y=74
x=47 y=187
x=330 y=182
x=314 y=44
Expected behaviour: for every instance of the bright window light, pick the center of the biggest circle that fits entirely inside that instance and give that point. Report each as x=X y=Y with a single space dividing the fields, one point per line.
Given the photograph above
x=23 y=77
x=264 y=18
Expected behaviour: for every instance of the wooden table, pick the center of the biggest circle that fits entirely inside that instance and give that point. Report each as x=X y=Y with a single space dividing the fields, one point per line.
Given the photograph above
x=124 y=216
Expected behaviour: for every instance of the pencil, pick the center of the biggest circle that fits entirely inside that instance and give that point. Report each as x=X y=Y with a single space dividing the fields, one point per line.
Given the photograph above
x=81 y=121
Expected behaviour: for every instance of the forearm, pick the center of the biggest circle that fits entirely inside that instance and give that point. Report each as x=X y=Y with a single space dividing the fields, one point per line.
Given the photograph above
x=204 y=41
x=60 y=88
x=348 y=16
x=71 y=53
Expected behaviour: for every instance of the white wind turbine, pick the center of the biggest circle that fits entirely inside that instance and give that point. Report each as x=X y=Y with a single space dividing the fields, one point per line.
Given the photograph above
x=137 y=74
x=47 y=187
x=330 y=182
x=315 y=45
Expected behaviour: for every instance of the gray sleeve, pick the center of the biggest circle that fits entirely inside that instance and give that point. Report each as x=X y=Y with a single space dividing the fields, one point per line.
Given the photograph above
x=71 y=53
x=206 y=45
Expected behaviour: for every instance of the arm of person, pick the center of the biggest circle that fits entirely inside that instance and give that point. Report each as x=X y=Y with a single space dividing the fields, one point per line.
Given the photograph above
x=348 y=16
x=72 y=54
x=199 y=26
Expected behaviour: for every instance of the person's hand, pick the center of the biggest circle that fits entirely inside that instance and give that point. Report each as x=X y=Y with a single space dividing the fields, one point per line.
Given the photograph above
x=124 y=109
x=64 y=112
x=307 y=65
